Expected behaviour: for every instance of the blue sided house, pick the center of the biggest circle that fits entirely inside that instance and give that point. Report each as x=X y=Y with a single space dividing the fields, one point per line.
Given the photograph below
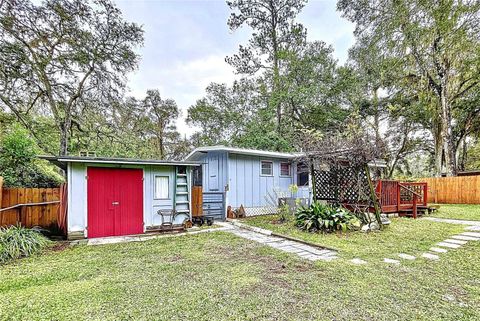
x=253 y=178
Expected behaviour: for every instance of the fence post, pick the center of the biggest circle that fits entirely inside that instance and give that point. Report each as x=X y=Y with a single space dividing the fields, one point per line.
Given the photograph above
x=379 y=190
x=1 y=194
x=414 y=206
x=425 y=194
x=312 y=171
x=398 y=198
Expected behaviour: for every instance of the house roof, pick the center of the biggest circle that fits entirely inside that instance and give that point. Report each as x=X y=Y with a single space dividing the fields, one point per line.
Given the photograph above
x=61 y=161
x=196 y=154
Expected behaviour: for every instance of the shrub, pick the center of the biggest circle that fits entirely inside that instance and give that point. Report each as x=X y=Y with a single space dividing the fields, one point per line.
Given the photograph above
x=18 y=163
x=17 y=241
x=325 y=218
x=283 y=213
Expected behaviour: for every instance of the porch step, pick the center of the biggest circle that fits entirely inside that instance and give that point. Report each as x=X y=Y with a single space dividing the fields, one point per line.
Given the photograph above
x=183 y=211
x=182 y=193
x=182 y=202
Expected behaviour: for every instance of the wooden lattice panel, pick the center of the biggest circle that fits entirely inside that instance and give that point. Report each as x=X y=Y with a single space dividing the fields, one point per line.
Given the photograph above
x=324 y=185
x=342 y=184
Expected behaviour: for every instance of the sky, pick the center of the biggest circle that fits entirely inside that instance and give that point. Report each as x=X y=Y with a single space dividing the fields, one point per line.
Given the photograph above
x=186 y=42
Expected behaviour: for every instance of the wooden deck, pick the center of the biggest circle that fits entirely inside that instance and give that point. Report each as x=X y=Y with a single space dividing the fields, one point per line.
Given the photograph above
x=404 y=198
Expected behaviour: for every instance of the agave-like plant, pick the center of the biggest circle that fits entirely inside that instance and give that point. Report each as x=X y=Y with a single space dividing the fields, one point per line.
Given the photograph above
x=326 y=218
x=18 y=241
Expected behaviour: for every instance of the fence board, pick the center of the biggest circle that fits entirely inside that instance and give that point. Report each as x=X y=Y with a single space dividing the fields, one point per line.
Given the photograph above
x=453 y=190
x=39 y=215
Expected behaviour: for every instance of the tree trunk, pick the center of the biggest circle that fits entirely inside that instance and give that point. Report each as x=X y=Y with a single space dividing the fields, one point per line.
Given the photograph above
x=438 y=147
x=463 y=158
x=65 y=136
x=276 y=71
x=161 y=147
x=276 y=75
x=447 y=136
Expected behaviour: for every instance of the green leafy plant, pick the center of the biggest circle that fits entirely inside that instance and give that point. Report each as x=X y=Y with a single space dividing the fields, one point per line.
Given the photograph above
x=19 y=165
x=283 y=212
x=17 y=241
x=326 y=218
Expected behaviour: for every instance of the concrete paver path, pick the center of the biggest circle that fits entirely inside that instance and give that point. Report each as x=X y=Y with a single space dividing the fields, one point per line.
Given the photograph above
x=452 y=221
x=304 y=251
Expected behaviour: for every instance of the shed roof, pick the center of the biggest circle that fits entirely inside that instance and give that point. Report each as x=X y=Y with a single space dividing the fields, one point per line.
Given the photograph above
x=196 y=154
x=61 y=161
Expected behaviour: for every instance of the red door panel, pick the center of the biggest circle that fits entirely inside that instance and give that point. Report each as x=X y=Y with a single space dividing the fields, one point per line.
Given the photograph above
x=115 y=201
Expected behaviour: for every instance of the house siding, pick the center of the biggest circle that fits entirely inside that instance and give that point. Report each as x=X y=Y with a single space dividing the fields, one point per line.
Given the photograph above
x=214 y=168
x=248 y=187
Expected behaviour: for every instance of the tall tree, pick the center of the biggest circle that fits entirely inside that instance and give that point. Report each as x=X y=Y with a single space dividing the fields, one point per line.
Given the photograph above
x=224 y=112
x=161 y=116
x=131 y=127
x=437 y=43
x=314 y=88
x=274 y=33
x=57 y=56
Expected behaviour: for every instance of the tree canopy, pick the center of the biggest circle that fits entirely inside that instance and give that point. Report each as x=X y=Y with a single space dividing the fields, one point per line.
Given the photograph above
x=411 y=84
x=59 y=56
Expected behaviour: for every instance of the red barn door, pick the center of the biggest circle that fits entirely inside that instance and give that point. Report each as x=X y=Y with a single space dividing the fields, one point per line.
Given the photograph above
x=115 y=201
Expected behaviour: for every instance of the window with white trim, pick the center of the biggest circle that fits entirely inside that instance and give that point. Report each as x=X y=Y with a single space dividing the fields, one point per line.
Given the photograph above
x=285 y=169
x=161 y=187
x=266 y=168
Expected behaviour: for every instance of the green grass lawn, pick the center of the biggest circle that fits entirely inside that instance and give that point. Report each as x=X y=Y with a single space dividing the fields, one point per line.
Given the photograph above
x=217 y=276
x=404 y=235
x=459 y=211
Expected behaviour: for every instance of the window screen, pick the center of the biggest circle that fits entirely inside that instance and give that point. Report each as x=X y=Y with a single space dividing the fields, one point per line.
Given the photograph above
x=284 y=169
x=302 y=175
x=198 y=176
x=267 y=168
x=161 y=187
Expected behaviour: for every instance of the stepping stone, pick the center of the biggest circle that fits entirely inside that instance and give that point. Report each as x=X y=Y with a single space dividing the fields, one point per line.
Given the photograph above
x=430 y=256
x=406 y=256
x=391 y=261
x=328 y=258
x=465 y=238
x=329 y=254
x=473 y=228
x=456 y=241
x=303 y=254
x=438 y=250
x=311 y=257
x=472 y=234
x=449 y=245
x=358 y=261
x=291 y=249
x=319 y=252
x=302 y=250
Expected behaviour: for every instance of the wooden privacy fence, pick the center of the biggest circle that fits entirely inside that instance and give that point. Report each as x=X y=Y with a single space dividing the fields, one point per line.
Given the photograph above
x=30 y=207
x=453 y=190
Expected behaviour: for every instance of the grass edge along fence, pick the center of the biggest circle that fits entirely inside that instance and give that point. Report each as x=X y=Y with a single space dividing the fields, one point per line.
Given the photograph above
x=453 y=190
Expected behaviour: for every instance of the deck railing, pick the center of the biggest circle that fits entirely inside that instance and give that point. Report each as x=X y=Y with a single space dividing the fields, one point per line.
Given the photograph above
x=396 y=196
